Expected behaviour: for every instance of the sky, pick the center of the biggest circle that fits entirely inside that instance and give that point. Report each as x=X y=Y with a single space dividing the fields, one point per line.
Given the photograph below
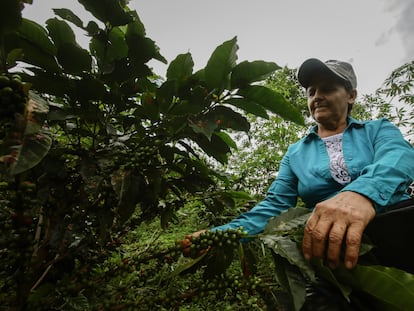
x=375 y=36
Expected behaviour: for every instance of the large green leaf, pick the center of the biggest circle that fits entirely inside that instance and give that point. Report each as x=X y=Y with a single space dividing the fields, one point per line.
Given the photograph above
x=74 y=59
x=107 y=11
x=68 y=15
x=33 y=54
x=70 y=55
x=35 y=34
x=225 y=117
x=60 y=32
x=181 y=68
x=32 y=150
x=248 y=106
x=220 y=64
x=215 y=147
x=272 y=101
x=292 y=281
x=117 y=47
x=136 y=27
x=246 y=72
x=288 y=221
x=89 y=88
x=287 y=248
x=36 y=139
x=141 y=49
x=205 y=127
x=393 y=286
x=50 y=83
x=227 y=139
x=328 y=274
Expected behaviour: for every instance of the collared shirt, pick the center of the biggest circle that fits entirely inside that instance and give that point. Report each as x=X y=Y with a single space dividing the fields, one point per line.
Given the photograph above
x=379 y=160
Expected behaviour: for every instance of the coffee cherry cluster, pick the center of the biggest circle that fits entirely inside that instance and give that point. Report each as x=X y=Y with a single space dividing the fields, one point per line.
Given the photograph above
x=219 y=238
x=12 y=96
x=142 y=157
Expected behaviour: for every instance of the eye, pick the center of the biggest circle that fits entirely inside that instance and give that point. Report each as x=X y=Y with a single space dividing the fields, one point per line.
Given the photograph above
x=310 y=91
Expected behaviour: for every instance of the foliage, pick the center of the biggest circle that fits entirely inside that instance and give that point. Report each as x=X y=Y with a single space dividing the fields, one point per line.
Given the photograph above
x=284 y=235
x=253 y=166
x=395 y=99
x=107 y=145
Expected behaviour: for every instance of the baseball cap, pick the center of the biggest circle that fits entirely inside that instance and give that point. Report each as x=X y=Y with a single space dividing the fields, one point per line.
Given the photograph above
x=312 y=67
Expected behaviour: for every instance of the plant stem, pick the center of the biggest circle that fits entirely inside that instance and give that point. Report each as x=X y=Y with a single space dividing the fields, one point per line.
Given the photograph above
x=3 y=64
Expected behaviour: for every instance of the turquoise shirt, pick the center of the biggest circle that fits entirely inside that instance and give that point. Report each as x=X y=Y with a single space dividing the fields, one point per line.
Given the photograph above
x=380 y=163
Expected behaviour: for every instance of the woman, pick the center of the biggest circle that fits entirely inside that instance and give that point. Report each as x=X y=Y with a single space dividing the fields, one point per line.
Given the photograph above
x=346 y=170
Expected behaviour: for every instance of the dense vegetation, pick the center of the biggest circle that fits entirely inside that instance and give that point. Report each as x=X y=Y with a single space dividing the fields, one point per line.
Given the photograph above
x=105 y=165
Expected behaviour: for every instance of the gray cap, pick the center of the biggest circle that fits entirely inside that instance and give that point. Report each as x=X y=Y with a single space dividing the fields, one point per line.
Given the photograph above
x=312 y=67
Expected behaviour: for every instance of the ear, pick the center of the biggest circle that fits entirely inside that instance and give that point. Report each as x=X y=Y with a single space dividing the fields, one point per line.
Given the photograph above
x=352 y=96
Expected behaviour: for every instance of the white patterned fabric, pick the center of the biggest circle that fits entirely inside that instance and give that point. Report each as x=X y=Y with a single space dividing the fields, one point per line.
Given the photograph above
x=339 y=170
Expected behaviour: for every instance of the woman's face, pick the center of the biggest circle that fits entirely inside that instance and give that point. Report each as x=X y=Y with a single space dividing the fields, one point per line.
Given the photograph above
x=328 y=100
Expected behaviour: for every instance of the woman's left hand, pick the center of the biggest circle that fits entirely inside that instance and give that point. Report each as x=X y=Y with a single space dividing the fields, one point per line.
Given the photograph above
x=344 y=216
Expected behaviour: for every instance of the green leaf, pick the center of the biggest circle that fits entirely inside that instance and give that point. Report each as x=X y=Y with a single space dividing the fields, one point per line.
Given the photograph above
x=68 y=15
x=74 y=59
x=272 y=101
x=215 y=147
x=329 y=275
x=107 y=11
x=35 y=34
x=181 y=68
x=287 y=248
x=225 y=117
x=32 y=150
x=227 y=139
x=90 y=88
x=141 y=49
x=238 y=195
x=292 y=219
x=292 y=280
x=49 y=83
x=188 y=265
x=248 y=106
x=218 y=260
x=246 y=73
x=136 y=27
x=34 y=55
x=13 y=56
x=220 y=64
x=390 y=285
x=36 y=140
x=60 y=32
x=205 y=127
x=117 y=47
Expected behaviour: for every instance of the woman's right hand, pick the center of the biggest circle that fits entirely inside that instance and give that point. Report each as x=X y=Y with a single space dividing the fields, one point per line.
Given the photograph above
x=186 y=243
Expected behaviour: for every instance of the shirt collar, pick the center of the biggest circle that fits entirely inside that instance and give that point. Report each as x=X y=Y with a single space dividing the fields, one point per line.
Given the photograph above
x=313 y=133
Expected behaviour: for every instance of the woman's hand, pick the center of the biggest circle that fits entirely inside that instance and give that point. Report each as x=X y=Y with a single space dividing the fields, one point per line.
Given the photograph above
x=186 y=243
x=344 y=216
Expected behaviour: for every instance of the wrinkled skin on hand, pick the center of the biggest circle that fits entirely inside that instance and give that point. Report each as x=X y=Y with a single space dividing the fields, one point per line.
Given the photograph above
x=343 y=217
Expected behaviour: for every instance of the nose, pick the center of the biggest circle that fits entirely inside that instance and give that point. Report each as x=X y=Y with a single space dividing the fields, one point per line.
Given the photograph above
x=318 y=93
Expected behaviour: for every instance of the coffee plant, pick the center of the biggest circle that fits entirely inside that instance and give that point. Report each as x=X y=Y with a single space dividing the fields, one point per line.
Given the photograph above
x=94 y=145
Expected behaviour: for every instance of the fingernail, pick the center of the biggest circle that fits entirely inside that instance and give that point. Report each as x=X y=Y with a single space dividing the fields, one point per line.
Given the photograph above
x=307 y=256
x=349 y=264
